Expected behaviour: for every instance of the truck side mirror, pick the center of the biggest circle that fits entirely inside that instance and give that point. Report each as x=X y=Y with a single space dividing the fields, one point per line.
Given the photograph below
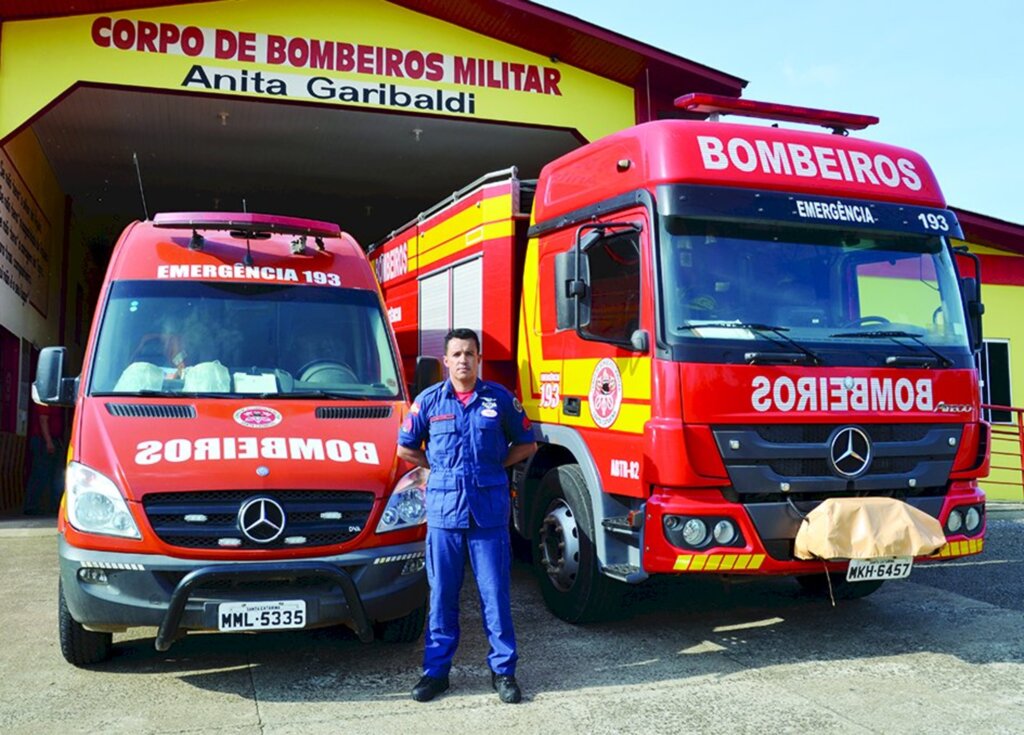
x=51 y=386
x=428 y=371
x=572 y=288
x=975 y=308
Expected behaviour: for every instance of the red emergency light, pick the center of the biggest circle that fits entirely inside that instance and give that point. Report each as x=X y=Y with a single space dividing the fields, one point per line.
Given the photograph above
x=716 y=103
x=247 y=223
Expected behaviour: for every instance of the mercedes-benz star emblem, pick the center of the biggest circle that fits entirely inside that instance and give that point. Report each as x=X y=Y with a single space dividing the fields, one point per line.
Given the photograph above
x=261 y=520
x=850 y=452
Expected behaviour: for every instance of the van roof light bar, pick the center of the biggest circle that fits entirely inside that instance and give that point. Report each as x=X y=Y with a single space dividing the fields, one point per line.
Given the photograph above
x=838 y=122
x=247 y=223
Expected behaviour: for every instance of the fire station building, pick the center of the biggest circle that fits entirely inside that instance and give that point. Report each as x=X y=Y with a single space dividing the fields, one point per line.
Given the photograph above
x=362 y=113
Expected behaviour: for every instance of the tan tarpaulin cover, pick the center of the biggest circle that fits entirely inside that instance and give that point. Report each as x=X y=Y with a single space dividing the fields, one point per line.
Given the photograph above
x=867 y=528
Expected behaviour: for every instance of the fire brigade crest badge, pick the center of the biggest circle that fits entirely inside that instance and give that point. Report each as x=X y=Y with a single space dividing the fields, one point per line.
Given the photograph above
x=605 y=393
x=257 y=417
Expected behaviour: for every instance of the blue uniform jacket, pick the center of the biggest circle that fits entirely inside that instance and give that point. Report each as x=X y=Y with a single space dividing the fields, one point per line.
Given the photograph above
x=466 y=447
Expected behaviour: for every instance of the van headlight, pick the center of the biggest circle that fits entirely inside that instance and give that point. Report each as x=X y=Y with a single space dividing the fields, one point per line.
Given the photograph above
x=95 y=505
x=407 y=505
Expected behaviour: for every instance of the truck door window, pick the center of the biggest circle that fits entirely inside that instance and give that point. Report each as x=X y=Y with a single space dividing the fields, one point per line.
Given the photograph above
x=614 y=290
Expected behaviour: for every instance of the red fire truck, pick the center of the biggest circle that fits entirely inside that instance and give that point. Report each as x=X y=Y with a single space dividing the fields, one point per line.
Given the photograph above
x=232 y=460
x=714 y=327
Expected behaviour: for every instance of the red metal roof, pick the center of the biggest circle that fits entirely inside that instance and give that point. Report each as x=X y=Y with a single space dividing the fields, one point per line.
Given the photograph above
x=980 y=229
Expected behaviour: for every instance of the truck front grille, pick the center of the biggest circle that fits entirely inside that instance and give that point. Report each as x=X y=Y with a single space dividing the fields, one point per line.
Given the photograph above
x=201 y=520
x=772 y=462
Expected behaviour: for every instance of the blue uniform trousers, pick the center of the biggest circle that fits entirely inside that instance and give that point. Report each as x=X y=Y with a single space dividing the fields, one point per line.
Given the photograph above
x=490 y=555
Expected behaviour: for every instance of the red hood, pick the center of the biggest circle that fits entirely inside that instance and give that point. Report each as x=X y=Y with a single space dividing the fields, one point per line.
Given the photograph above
x=768 y=394
x=219 y=447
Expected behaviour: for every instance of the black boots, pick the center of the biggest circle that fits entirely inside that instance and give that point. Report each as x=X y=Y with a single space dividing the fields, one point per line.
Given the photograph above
x=428 y=687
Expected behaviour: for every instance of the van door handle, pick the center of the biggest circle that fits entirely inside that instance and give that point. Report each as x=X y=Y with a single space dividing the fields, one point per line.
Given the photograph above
x=571 y=406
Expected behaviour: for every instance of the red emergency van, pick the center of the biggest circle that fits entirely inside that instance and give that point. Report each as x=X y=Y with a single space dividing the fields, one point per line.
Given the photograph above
x=716 y=329
x=232 y=461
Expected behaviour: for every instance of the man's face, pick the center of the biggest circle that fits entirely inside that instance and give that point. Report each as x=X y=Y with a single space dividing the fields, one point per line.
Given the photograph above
x=462 y=359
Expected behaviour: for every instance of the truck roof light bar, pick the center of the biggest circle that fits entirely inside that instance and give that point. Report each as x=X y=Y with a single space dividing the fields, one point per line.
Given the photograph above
x=712 y=104
x=247 y=223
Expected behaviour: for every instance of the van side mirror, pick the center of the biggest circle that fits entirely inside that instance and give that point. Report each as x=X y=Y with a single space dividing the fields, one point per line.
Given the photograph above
x=975 y=308
x=51 y=386
x=428 y=371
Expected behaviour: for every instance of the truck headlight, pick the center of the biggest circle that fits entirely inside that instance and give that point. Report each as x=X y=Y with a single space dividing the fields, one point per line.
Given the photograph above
x=95 y=505
x=407 y=505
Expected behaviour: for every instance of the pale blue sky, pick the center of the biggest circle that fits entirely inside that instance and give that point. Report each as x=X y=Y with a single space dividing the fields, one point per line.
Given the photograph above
x=946 y=78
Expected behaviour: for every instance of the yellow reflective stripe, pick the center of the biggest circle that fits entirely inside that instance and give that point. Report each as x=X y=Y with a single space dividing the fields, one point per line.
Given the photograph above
x=433 y=248
x=728 y=561
x=757 y=561
x=682 y=563
x=697 y=563
x=631 y=418
x=713 y=563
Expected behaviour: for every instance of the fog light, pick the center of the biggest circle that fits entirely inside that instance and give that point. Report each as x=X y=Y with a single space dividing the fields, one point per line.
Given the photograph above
x=955 y=521
x=725 y=532
x=671 y=522
x=93 y=576
x=972 y=519
x=695 y=532
x=414 y=565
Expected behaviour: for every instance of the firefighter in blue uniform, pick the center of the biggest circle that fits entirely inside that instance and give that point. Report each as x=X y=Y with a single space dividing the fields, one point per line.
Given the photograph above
x=473 y=429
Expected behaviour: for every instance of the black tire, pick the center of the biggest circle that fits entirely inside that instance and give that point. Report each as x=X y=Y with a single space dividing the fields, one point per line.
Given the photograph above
x=817 y=585
x=80 y=647
x=403 y=630
x=563 y=534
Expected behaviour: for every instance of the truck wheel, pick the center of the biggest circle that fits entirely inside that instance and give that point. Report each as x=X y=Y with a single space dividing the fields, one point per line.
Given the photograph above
x=817 y=585
x=571 y=582
x=403 y=630
x=80 y=647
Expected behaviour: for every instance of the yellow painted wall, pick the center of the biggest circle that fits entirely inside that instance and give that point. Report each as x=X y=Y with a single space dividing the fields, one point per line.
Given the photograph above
x=1002 y=321
x=41 y=59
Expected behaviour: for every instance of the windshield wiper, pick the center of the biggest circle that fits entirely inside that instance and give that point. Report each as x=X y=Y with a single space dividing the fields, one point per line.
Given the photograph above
x=144 y=392
x=318 y=393
x=902 y=360
x=804 y=355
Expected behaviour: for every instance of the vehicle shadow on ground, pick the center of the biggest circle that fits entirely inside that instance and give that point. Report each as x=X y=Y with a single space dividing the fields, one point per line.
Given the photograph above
x=668 y=629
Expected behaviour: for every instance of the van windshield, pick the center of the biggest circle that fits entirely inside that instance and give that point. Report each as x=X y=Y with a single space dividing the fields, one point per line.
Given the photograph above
x=241 y=339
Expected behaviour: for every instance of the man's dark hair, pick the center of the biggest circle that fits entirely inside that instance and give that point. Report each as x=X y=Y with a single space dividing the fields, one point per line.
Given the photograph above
x=461 y=333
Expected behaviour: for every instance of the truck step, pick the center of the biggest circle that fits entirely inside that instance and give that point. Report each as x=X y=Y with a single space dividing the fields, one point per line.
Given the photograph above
x=625 y=573
x=620 y=525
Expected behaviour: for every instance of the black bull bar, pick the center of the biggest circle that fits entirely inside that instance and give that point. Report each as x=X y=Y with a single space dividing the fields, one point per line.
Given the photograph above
x=264 y=572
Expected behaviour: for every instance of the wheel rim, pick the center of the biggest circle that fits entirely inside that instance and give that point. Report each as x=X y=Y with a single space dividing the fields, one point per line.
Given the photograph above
x=560 y=546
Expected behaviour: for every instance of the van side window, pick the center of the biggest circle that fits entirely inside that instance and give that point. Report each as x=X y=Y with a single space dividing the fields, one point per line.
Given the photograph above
x=614 y=294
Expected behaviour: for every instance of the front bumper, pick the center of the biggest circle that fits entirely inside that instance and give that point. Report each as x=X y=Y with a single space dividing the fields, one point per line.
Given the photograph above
x=176 y=595
x=767 y=532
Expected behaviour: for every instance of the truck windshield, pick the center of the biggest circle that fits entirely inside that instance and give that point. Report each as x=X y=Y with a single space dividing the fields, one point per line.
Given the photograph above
x=853 y=297
x=234 y=339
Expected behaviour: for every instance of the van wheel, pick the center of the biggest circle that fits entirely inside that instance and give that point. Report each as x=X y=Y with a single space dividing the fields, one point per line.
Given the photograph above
x=80 y=647
x=817 y=585
x=403 y=630
x=571 y=582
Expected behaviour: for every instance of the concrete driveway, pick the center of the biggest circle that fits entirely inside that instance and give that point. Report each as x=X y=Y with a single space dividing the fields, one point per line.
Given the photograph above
x=686 y=656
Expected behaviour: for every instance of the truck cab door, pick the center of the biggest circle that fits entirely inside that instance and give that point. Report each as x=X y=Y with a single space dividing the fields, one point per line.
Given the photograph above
x=603 y=279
